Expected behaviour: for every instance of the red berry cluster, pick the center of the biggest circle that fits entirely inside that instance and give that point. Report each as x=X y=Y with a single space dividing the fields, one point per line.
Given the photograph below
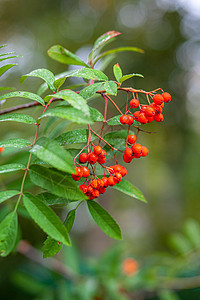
x=93 y=186
x=146 y=113
x=135 y=151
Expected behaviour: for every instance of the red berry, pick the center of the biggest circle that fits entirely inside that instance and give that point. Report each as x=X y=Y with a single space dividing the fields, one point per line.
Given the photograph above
x=167 y=97
x=143 y=108
x=100 y=183
x=86 y=172
x=124 y=119
x=128 y=152
x=150 y=119
x=127 y=159
x=78 y=173
x=102 y=190
x=92 y=158
x=103 y=154
x=123 y=171
x=75 y=177
x=97 y=150
x=105 y=181
x=117 y=168
x=149 y=111
x=142 y=118
x=83 y=188
x=158 y=99
x=94 y=184
x=117 y=177
x=95 y=193
x=158 y=118
x=138 y=155
x=90 y=190
x=158 y=108
x=136 y=115
x=111 y=181
x=101 y=161
x=134 y=103
x=145 y=151
x=137 y=149
x=1 y=149
x=130 y=120
x=83 y=157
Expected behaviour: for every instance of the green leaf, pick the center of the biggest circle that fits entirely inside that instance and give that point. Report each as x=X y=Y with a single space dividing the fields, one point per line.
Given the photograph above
x=74 y=137
x=4 y=45
x=15 y=143
x=192 y=230
x=117 y=50
x=22 y=118
x=69 y=113
x=87 y=73
x=125 y=77
x=90 y=90
x=11 y=167
x=95 y=115
x=104 y=220
x=44 y=74
x=3 y=88
x=127 y=188
x=5 y=68
x=117 y=138
x=180 y=243
x=51 y=199
x=56 y=183
x=64 y=56
x=103 y=40
x=117 y=72
x=8 y=233
x=58 y=82
x=69 y=221
x=74 y=99
x=7 y=195
x=46 y=218
x=9 y=57
x=22 y=94
x=51 y=152
x=110 y=88
x=50 y=247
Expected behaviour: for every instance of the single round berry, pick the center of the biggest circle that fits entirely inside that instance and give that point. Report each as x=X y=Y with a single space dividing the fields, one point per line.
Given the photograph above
x=92 y=158
x=158 y=99
x=127 y=159
x=142 y=118
x=143 y=108
x=124 y=119
x=117 y=168
x=94 y=184
x=86 y=172
x=105 y=181
x=136 y=115
x=2 y=149
x=83 y=158
x=167 y=97
x=123 y=171
x=145 y=151
x=150 y=119
x=111 y=181
x=134 y=103
x=103 y=154
x=117 y=177
x=132 y=139
x=130 y=120
x=76 y=177
x=159 y=118
x=136 y=148
x=100 y=183
x=90 y=190
x=149 y=111
x=128 y=152
x=97 y=150
x=101 y=161
x=102 y=190
x=95 y=193
x=83 y=188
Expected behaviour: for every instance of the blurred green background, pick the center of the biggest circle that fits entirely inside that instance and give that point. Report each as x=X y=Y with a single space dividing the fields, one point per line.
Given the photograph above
x=168 y=31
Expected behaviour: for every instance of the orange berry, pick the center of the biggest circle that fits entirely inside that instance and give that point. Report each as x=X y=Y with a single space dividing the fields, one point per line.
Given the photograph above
x=136 y=115
x=158 y=118
x=167 y=97
x=103 y=154
x=94 y=184
x=83 y=157
x=134 y=103
x=130 y=266
x=117 y=168
x=83 y=188
x=105 y=181
x=92 y=158
x=132 y=138
x=2 y=149
x=100 y=183
x=123 y=171
x=137 y=148
x=128 y=152
x=150 y=111
x=102 y=190
x=145 y=151
x=124 y=119
x=101 y=161
x=111 y=181
x=117 y=177
x=127 y=159
x=130 y=120
x=86 y=172
x=158 y=99
x=142 y=118
x=97 y=150
x=95 y=193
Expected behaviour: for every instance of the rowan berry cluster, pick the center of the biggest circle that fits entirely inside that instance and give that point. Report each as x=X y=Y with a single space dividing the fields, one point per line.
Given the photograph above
x=93 y=186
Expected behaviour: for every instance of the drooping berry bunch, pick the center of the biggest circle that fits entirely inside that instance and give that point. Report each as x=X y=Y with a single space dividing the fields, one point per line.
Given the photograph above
x=93 y=185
